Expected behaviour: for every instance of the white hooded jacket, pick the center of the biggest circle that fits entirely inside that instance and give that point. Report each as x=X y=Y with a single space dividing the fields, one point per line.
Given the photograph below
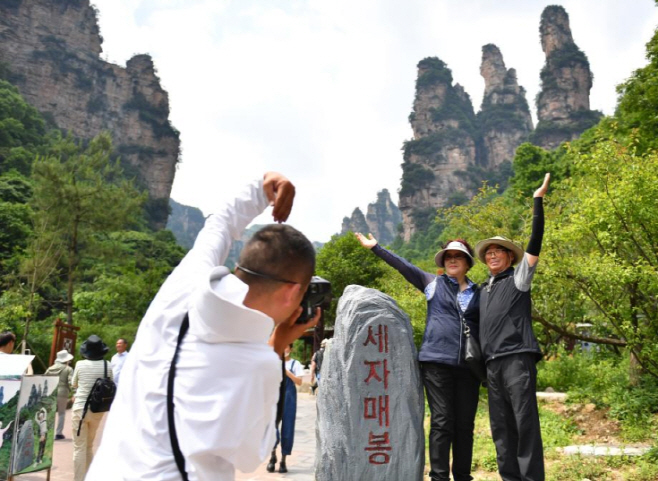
x=227 y=377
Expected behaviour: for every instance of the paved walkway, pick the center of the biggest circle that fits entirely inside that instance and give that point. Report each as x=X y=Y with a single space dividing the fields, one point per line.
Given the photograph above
x=300 y=463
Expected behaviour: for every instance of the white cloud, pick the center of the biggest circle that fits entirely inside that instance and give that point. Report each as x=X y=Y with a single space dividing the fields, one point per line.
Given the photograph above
x=321 y=90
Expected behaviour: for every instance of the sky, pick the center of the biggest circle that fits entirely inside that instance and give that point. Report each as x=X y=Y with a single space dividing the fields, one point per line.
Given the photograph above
x=320 y=90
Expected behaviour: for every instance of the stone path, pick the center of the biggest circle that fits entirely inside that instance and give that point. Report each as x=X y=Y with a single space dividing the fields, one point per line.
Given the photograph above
x=300 y=463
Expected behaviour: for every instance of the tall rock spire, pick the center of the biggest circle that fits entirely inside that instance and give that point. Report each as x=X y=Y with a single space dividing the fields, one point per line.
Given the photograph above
x=563 y=107
x=504 y=118
x=445 y=141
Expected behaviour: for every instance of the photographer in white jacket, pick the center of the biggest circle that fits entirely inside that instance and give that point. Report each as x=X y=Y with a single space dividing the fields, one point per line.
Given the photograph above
x=228 y=370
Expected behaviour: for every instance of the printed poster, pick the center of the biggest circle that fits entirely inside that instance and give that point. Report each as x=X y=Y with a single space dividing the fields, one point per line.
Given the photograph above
x=9 y=391
x=35 y=433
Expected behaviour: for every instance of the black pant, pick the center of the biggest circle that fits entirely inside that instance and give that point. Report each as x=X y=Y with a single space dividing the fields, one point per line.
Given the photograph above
x=452 y=395
x=514 y=417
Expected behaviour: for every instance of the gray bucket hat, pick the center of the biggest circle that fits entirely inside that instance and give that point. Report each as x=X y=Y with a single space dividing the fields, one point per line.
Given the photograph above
x=481 y=248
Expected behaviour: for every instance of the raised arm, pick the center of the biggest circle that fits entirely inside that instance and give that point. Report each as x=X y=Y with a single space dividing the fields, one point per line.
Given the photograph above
x=418 y=277
x=537 y=235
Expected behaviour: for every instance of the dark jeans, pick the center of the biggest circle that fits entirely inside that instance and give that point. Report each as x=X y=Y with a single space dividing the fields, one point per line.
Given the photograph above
x=452 y=395
x=514 y=417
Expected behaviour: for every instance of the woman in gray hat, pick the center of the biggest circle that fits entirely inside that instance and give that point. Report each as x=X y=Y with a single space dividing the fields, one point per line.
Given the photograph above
x=62 y=369
x=85 y=375
x=452 y=390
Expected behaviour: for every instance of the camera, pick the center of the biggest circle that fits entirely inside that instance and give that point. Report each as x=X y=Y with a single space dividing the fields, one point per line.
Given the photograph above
x=317 y=295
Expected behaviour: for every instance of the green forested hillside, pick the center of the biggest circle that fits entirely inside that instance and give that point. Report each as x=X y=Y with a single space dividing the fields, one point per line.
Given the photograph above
x=74 y=242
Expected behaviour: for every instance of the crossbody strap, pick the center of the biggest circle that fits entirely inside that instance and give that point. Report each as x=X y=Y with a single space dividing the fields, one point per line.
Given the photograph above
x=178 y=455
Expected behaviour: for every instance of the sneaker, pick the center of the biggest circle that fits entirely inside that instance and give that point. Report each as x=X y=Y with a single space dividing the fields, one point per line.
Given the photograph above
x=59 y=436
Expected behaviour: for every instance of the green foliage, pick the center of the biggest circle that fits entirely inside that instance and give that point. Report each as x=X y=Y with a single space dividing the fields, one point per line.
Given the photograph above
x=503 y=116
x=435 y=72
x=415 y=177
x=343 y=261
x=78 y=194
x=531 y=164
x=20 y=126
x=638 y=101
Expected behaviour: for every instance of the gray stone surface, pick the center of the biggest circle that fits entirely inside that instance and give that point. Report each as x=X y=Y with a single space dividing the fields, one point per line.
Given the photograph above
x=25 y=449
x=370 y=422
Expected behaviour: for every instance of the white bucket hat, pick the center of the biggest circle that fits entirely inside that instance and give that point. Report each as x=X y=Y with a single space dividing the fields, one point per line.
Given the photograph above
x=453 y=246
x=63 y=356
x=481 y=248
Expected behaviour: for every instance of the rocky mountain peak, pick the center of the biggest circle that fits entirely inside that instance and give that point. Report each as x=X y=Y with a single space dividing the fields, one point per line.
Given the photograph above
x=382 y=219
x=566 y=80
x=492 y=69
x=554 y=29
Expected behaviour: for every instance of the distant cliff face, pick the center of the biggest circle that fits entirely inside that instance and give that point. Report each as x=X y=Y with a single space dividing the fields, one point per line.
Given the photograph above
x=185 y=222
x=563 y=104
x=381 y=221
x=52 y=50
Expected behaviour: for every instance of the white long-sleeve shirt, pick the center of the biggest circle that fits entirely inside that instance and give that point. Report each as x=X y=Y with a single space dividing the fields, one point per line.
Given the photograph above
x=227 y=378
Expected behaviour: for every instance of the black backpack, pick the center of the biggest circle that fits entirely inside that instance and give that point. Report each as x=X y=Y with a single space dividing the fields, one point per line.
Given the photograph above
x=100 y=397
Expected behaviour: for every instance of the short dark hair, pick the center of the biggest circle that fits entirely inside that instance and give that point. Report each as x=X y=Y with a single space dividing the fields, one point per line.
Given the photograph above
x=123 y=339
x=6 y=337
x=278 y=251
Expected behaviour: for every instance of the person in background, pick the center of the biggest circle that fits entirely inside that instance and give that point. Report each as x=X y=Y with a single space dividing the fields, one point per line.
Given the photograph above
x=84 y=376
x=119 y=358
x=62 y=369
x=41 y=420
x=7 y=342
x=316 y=364
x=452 y=389
x=286 y=435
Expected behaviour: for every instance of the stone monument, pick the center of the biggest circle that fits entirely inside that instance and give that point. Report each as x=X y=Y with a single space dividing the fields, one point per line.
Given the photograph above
x=370 y=402
x=25 y=450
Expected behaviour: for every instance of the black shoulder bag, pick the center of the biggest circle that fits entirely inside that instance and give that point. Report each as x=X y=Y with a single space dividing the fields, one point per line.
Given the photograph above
x=472 y=352
x=178 y=455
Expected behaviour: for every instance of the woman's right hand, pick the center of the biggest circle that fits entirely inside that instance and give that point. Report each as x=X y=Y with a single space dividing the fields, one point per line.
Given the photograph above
x=368 y=242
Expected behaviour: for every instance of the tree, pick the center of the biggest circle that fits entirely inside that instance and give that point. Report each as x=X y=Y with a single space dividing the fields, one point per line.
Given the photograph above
x=343 y=261
x=80 y=194
x=602 y=244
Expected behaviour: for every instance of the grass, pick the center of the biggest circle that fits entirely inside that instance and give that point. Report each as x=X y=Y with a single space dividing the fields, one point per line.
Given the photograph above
x=589 y=380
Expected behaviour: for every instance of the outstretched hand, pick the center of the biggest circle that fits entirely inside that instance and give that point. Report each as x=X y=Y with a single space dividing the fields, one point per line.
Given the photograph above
x=541 y=192
x=289 y=331
x=368 y=242
x=281 y=193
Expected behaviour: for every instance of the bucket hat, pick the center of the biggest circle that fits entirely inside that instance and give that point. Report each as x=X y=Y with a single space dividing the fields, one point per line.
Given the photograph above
x=481 y=248
x=63 y=356
x=93 y=348
x=453 y=246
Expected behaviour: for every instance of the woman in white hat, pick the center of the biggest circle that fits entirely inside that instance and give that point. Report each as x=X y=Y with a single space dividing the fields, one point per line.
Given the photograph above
x=62 y=369
x=452 y=390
